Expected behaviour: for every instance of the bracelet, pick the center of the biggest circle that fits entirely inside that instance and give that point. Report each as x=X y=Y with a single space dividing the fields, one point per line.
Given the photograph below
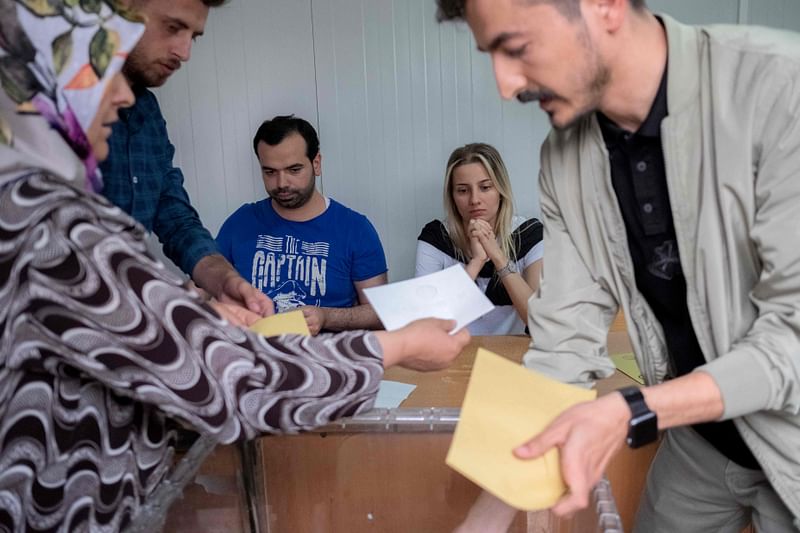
x=510 y=268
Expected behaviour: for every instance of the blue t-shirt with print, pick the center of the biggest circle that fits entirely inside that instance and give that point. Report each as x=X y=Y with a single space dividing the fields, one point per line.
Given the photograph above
x=314 y=262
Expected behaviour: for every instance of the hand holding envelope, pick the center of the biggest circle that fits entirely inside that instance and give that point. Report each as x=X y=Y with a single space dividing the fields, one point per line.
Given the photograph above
x=505 y=404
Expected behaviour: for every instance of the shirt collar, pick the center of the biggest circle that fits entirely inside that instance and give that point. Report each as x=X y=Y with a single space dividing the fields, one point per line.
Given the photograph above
x=651 y=127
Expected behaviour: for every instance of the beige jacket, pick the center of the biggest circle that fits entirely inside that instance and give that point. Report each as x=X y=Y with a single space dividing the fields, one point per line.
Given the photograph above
x=732 y=152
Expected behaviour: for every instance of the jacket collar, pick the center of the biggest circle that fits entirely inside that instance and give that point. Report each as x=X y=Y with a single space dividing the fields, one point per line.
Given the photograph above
x=683 y=44
x=683 y=66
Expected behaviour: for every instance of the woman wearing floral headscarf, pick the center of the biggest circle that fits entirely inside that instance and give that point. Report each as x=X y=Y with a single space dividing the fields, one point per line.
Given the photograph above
x=102 y=351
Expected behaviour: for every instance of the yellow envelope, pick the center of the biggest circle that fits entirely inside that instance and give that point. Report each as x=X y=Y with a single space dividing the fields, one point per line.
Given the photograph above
x=626 y=363
x=280 y=323
x=505 y=406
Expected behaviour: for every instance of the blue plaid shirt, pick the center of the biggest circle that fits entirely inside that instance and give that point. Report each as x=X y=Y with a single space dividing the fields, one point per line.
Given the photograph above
x=139 y=177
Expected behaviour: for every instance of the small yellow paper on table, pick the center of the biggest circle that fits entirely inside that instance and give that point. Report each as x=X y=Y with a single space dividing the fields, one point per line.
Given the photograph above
x=278 y=324
x=626 y=363
x=505 y=406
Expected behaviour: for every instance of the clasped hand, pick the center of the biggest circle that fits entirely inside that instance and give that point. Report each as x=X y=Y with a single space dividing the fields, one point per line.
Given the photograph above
x=483 y=242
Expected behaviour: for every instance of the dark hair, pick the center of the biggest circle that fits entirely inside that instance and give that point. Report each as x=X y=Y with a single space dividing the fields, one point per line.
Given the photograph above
x=213 y=3
x=456 y=9
x=275 y=130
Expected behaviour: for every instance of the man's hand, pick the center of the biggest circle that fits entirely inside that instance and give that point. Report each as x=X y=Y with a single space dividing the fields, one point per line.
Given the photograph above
x=315 y=318
x=423 y=345
x=217 y=276
x=587 y=436
x=236 y=315
x=237 y=291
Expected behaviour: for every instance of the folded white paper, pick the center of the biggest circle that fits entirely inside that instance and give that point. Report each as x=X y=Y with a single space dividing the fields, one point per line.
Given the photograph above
x=449 y=293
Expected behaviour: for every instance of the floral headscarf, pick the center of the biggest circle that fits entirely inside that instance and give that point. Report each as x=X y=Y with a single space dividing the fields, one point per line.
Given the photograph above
x=56 y=60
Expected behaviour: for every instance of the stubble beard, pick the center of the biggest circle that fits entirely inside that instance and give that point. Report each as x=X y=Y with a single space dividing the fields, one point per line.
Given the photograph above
x=593 y=92
x=597 y=78
x=300 y=199
x=139 y=75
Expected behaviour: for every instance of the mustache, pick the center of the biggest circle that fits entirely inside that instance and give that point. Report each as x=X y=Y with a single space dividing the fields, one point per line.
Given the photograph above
x=534 y=96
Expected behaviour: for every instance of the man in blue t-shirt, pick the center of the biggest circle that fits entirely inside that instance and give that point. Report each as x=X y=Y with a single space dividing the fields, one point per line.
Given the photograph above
x=300 y=248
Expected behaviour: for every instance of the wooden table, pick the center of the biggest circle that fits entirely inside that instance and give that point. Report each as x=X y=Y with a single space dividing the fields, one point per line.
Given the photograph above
x=447 y=388
x=384 y=476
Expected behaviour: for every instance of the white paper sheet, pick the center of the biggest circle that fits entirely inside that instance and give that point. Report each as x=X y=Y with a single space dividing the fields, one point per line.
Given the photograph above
x=449 y=293
x=392 y=393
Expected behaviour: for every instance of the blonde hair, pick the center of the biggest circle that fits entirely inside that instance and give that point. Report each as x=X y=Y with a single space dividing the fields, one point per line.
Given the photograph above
x=489 y=157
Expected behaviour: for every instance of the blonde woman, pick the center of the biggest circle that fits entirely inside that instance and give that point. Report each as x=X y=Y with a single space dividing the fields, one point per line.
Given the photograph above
x=500 y=251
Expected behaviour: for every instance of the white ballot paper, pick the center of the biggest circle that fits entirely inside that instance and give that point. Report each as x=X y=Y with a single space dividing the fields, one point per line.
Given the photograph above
x=449 y=293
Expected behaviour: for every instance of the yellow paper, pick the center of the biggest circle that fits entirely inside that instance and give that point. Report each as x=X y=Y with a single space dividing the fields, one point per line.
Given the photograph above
x=505 y=406
x=626 y=363
x=278 y=324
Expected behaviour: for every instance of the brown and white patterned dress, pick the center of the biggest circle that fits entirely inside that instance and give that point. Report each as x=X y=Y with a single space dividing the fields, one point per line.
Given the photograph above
x=103 y=354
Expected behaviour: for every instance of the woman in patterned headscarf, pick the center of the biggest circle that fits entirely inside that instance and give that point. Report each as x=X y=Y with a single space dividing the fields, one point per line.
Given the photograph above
x=103 y=352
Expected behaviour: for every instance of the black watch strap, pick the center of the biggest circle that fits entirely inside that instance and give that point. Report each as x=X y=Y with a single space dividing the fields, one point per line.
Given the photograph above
x=643 y=427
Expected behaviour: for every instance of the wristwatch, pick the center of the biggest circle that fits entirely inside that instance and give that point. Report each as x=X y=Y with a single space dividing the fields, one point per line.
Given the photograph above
x=510 y=268
x=643 y=427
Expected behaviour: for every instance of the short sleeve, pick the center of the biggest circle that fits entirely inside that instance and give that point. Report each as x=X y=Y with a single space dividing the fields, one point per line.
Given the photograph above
x=369 y=259
x=429 y=259
x=225 y=236
x=534 y=254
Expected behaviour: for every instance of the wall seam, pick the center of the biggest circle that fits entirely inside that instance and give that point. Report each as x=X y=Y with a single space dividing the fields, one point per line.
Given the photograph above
x=744 y=9
x=316 y=78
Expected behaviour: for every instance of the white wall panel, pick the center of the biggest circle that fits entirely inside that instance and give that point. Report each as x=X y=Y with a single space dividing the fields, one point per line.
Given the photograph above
x=255 y=60
x=777 y=13
x=391 y=91
x=699 y=11
x=397 y=93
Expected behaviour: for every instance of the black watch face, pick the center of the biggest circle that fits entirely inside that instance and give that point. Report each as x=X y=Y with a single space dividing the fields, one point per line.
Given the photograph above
x=643 y=429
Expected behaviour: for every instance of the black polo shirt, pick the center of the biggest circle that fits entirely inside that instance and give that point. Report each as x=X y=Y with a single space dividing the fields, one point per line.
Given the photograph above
x=640 y=183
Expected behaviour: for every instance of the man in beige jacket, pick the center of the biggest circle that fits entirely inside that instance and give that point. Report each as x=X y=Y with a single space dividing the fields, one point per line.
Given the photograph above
x=670 y=187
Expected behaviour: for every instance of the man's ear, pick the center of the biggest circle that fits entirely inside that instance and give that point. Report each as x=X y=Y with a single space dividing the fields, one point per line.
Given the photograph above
x=317 y=164
x=606 y=15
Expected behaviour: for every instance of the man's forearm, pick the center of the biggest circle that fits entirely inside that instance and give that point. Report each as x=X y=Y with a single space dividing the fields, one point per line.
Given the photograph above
x=348 y=318
x=211 y=272
x=690 y=399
